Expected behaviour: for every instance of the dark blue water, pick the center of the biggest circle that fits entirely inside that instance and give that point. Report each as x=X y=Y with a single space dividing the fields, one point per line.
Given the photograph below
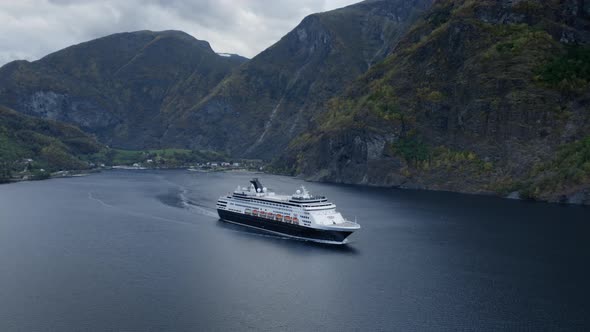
x=144 y=251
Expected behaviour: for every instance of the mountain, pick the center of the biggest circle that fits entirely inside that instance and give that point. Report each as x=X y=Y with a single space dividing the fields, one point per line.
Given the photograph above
x=123 y=87
x=269 y=100
x=167 y=89
x=478 y=96
x=469 y=96
x=51 y=145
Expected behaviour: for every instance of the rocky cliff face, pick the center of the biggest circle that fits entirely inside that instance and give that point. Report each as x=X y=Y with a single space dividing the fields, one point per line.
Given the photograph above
x=270 y=100
x=123 y=87
x=479 y=96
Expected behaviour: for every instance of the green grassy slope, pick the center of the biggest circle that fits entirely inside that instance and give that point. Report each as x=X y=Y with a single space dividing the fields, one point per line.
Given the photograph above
x=161 y=157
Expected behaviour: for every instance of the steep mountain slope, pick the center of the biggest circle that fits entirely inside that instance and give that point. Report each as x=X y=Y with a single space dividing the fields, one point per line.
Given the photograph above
x=270 y=100
x=122 y=87
x=52 y=145
x=479 y=96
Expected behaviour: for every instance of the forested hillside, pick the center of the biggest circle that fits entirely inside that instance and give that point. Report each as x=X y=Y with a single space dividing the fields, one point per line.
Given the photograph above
x=34 y=144
x=479 y=96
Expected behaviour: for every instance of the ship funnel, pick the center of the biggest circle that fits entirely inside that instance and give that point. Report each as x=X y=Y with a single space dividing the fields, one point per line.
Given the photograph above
x=257 y=185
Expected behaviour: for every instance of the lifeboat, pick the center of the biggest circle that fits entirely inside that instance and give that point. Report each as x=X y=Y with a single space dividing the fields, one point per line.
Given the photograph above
x=295 y=221
x=263 y=214
x=288 y=219
x=255 y=213
x=279 y=217
x=270 y=215
x=248 y=212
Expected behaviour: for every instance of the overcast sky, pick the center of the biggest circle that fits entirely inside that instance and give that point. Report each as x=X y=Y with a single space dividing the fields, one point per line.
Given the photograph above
x=31 y=29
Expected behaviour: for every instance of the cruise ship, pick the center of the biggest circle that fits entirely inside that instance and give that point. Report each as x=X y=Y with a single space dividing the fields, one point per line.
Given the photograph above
x=301 y=215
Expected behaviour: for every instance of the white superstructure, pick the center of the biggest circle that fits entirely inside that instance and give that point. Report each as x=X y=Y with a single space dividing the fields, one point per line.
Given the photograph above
x=300 y=209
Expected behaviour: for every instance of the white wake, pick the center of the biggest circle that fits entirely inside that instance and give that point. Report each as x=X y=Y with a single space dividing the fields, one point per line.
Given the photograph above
x=188 y=204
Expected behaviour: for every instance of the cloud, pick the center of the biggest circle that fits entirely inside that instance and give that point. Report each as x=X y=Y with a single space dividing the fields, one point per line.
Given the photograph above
x=31 y=29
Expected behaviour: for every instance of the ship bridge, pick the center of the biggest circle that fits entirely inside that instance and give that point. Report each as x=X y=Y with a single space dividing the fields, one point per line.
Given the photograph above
x=303 y=196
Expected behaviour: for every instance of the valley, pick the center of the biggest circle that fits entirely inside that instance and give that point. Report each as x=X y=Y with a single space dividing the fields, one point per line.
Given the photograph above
x=485 y=97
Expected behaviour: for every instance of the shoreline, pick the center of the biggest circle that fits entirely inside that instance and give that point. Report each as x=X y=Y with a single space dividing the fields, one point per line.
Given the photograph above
x=582 y=198
x=584 y=202
x=54 y=175
x=82 y=173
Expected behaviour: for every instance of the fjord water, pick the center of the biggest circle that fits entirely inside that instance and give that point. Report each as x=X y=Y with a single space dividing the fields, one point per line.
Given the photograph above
x=145 y=251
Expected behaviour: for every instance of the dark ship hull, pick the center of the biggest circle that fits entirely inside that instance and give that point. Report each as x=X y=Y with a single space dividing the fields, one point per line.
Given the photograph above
x=291 y=230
